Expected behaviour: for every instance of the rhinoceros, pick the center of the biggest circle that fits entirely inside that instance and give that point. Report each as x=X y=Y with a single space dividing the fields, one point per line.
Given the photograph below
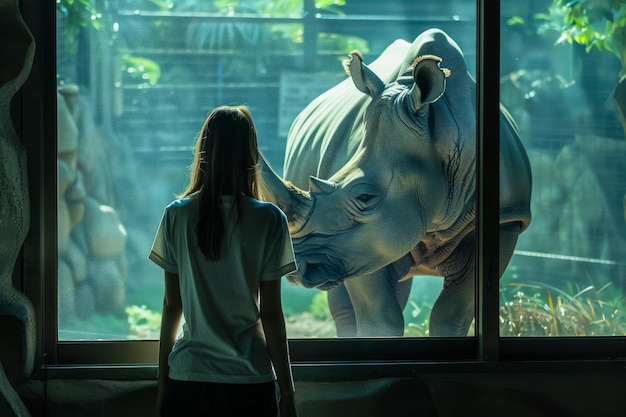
x=379 y=187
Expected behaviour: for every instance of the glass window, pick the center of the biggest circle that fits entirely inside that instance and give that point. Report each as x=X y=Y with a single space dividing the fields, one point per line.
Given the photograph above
x=560 y=78
x=136 y=78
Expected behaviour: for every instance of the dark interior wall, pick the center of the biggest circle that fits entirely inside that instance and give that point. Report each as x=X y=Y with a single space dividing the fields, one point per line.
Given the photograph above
x=515 y=394
x=523 y=390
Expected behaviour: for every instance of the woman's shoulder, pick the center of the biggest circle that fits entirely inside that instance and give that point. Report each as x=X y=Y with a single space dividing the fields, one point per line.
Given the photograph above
x=181 y=204
x=265 y=208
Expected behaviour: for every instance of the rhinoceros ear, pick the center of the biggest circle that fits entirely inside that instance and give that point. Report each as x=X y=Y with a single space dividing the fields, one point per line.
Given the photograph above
x=364 y=78
x=430 y=80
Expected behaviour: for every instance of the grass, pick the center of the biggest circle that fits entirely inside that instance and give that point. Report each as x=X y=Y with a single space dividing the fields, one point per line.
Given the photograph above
x=539 y=309
x=527 y=309
x=536 y=309
x=417 y=319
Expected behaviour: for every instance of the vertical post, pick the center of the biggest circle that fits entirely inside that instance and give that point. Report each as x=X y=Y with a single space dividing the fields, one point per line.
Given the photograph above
x=311 y=29
x=38 y=128
x=488 y=179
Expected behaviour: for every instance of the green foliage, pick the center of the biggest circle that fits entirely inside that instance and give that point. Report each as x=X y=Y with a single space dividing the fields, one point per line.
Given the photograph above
x=143 y=68
x=295 y=299
x=163 y=5
x=335 y=42
x=82 y=14
x=536 y=309
x=527 y=309
x=591 y=23
x=319 y=306
x=281 y=6
x=417 y=321
x=78 y=14
x=295 y=34
x=144 y=323
x=598 y=23
x=269 y=7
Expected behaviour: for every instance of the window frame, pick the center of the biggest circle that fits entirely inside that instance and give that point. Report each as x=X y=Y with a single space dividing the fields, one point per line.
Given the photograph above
x=313 y=357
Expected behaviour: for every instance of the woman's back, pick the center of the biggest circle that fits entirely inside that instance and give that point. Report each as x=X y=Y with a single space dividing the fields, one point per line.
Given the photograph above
x=224 y=252
x=222 y=337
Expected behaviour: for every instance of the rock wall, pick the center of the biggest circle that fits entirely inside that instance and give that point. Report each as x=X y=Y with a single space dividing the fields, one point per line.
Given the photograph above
x=18 y=48
x=92 y=237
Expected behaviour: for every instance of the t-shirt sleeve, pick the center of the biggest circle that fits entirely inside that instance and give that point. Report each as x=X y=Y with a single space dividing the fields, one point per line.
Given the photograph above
x=161 y=252
x=279 y=257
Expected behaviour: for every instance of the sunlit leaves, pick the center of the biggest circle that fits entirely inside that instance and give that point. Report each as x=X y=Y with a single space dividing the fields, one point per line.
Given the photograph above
x=142 y=68
x=287 y=7
x=515 y=20
x=143 y=322
x=592 y=23
x=78 y=14
x=333 y=41
x=163 y=4
x=597 y=24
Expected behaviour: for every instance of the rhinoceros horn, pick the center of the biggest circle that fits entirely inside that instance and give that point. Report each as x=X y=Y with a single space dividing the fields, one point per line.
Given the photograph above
x=294 y=202
x=320 y=186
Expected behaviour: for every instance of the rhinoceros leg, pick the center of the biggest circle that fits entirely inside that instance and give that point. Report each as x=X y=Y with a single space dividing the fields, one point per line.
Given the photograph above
x=377 y=304
x=342 y=311
x=365 y=296
x=371 y=295
x=454 y=309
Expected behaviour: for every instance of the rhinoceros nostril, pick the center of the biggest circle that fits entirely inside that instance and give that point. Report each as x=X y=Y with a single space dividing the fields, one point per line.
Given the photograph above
x=319 y=275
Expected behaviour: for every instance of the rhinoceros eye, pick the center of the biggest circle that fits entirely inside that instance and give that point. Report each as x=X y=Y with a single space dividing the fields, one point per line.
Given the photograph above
x=365 y=197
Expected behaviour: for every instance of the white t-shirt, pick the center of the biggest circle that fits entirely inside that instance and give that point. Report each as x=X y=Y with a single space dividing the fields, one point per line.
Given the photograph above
x=222 y=338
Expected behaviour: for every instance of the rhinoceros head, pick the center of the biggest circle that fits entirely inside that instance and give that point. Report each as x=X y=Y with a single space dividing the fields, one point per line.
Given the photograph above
x=390 y=193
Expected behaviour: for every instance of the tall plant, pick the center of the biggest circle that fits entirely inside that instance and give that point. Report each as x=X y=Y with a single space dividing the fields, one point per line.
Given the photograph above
x=597 y=24
x=82 y=14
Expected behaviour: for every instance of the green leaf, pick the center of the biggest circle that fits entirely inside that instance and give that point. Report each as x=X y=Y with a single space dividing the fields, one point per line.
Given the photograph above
x=515 y=20
x=164 y=5
x=321 y=4
x=142 y=68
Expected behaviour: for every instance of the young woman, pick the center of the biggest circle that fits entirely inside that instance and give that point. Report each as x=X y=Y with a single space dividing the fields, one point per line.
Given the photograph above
x=224 y=252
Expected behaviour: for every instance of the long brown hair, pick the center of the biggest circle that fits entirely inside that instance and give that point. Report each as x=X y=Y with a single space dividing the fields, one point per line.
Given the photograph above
x=225 y=163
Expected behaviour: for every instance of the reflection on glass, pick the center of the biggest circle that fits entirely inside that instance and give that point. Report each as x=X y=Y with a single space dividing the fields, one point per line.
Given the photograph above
x=567 y=276
x=137 y=78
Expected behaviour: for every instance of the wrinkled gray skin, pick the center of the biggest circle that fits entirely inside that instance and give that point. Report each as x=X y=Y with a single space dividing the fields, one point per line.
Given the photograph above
x=388 y=158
